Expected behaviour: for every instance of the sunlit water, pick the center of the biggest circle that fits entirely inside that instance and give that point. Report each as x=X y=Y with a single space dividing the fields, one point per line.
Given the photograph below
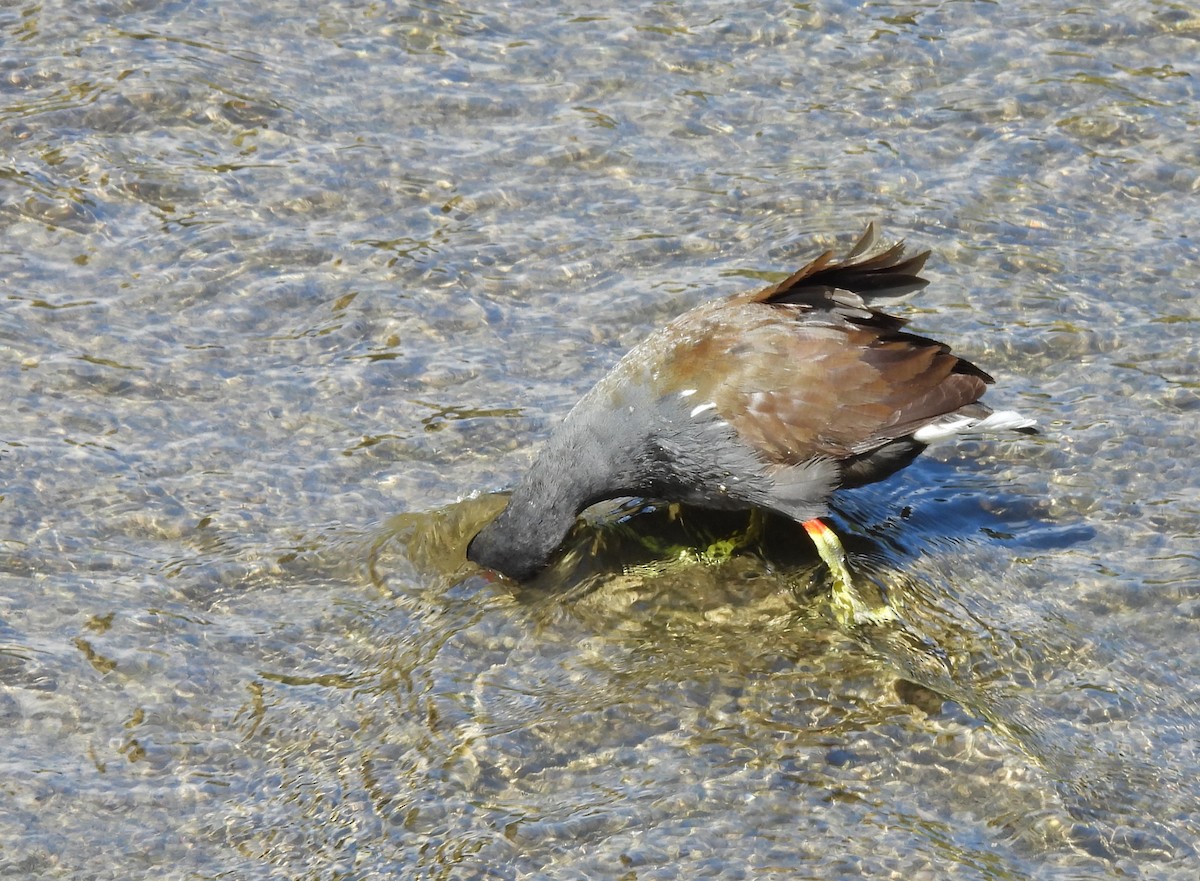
x=289 y=291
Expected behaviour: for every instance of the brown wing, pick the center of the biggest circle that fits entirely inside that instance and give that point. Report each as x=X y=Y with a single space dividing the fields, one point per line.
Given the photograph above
x=795 y=390
x=808 y=368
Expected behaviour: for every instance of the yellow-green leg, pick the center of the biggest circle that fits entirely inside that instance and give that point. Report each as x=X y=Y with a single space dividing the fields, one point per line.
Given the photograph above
x=875 y=624
x=849 y=606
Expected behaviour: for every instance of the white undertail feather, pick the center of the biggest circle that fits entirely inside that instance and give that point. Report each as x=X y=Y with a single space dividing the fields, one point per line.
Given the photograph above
x=1001 y=420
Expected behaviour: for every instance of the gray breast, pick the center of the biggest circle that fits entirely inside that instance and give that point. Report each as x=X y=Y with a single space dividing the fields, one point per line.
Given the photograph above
x=695 y=456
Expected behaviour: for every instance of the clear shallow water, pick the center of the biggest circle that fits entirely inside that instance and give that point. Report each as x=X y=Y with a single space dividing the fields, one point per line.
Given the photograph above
x=281 y=290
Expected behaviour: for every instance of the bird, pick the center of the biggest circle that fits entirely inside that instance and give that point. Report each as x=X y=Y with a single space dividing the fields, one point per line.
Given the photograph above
x=769 y=399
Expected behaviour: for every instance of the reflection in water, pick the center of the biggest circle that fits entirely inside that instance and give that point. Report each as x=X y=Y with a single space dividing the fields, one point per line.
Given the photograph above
x=646 y=596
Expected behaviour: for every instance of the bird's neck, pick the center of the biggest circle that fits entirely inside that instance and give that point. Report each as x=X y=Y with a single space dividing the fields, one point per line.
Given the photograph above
x=590 y=457
x=579 y=465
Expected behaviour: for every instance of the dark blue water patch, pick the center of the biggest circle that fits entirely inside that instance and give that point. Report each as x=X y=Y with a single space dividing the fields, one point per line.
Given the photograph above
x=938 y=503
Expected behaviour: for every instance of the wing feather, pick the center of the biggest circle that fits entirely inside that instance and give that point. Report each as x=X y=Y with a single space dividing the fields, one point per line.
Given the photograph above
x=808 y=369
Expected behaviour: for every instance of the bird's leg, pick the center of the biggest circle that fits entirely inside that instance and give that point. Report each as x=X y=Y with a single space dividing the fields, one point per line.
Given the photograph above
x=756 y=529
x=875 y=624
x=849 y=606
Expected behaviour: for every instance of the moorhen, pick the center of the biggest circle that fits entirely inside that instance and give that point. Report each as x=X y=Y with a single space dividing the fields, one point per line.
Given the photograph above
x=768 y=399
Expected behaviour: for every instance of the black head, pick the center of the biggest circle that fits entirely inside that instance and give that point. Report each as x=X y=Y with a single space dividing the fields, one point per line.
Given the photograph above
x=520 y=542
x=491 y=551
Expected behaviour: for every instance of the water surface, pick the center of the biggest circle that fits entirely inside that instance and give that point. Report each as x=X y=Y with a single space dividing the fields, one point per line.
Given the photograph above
x=288 y=294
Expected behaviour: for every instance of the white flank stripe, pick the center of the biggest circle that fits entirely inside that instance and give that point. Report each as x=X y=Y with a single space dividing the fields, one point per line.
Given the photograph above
x=696 y=411
x=1005 y=420
x=687 y=393
x=1001 y=420
x=937 y=431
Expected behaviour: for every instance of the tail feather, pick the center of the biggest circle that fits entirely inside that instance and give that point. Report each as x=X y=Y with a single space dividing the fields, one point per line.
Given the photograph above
x=884 y=275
